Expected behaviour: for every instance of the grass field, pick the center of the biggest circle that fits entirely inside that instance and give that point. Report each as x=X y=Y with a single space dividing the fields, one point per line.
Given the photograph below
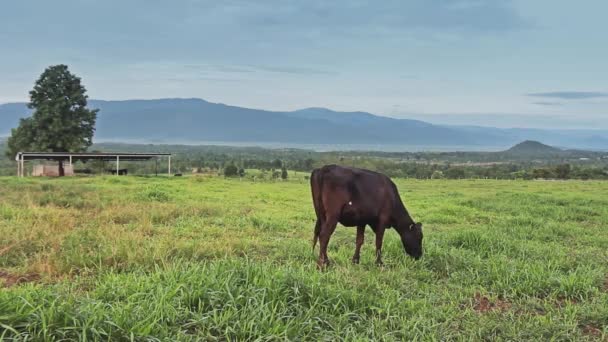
x=204 y=258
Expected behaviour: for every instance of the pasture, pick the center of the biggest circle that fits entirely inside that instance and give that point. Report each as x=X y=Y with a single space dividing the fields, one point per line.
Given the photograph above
x=207 y=258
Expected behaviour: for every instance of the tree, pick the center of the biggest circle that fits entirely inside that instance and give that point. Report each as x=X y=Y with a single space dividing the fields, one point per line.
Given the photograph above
x=21 y=138
x=542 y=173
x=562 y=171
x=277 y=164
x=455 y=173
x=308 y=164
x=522 y=174
x=61 y=121
x=284 y=174
x=231 y=170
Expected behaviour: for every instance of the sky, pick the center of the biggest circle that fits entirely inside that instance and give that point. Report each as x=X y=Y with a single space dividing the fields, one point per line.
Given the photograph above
x=501 y=63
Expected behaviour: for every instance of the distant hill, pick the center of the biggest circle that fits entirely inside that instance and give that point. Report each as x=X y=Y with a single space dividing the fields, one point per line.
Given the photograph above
x=534 y=150
x=388 y=130
x=195 y=120
x=192 y=120
x=530 y=147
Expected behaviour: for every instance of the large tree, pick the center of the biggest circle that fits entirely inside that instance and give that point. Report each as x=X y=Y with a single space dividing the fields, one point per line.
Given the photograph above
x=61 y=121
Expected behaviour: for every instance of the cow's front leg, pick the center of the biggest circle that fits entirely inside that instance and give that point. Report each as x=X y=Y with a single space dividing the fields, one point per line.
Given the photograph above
x=327 y=229
x=379 y=237
x=359 y=243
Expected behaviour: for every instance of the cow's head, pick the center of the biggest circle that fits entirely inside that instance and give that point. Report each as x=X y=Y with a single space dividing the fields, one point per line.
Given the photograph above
x=411 y=237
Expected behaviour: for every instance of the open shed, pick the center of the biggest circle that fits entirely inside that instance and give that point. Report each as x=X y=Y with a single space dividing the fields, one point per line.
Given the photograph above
x=70 y=158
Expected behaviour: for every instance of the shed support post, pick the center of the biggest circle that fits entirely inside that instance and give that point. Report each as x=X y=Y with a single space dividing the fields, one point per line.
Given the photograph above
x=117 y=164
x=70 y=160
x=19 y=167
x=22 y=167
x=169 y=165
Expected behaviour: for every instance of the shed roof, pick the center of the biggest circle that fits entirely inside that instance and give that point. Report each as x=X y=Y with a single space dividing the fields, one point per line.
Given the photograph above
x=88 y=156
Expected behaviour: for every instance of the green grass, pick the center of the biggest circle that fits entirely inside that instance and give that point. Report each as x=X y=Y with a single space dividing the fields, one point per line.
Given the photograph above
x=204 y=258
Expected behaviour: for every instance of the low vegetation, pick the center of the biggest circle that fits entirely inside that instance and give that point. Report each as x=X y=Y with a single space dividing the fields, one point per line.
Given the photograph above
x=525 y=161
x=214 y=258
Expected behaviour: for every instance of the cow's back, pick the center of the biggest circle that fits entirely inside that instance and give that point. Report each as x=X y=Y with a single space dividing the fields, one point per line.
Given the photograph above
x=357 y=195
x=356 y=181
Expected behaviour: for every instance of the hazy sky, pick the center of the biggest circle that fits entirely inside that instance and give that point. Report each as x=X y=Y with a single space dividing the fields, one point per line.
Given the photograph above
x=523 y=63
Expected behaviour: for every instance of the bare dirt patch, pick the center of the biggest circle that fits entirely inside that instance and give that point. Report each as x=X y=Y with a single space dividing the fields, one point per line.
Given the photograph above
x=483 y=304
x=605 y=287
x=592 y=331
x=562 y=302
x=7 y=279
x=6 y=249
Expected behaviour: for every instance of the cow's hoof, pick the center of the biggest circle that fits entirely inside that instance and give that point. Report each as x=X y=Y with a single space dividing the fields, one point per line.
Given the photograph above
x=379 y=263
x=322 y=265
x=355 y=260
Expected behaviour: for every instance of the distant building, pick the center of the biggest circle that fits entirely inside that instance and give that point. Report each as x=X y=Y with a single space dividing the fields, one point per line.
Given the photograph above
x=68 y=158
x=43 y=170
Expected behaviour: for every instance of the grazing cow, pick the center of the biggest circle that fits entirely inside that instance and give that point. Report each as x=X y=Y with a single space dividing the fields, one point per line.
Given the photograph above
x=356 y=198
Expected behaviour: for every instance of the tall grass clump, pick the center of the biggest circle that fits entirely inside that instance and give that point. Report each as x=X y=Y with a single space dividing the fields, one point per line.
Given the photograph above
x=155 y=193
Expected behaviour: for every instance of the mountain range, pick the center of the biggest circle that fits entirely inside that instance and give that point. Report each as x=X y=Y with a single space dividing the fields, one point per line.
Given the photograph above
x=197 y=120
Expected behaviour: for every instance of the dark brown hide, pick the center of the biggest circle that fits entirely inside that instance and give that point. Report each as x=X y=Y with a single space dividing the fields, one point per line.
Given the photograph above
x=357 y=198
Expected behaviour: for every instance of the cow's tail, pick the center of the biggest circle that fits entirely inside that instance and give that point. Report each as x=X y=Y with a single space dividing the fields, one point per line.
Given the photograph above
x=316 y=185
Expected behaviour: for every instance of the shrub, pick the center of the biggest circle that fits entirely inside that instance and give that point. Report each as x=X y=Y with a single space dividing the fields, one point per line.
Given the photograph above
x=155 y=193
x=437 y=175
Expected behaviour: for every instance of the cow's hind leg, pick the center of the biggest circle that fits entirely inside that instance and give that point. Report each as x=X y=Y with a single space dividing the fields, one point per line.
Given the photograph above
x=317 y=231
x=359 y=243
x=327 y=228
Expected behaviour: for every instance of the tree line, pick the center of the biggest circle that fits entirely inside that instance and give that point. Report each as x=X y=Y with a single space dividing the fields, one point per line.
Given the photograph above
x=234 y=167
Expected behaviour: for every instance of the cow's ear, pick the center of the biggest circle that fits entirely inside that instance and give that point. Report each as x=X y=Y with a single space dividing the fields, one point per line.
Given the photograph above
x=412 y=226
